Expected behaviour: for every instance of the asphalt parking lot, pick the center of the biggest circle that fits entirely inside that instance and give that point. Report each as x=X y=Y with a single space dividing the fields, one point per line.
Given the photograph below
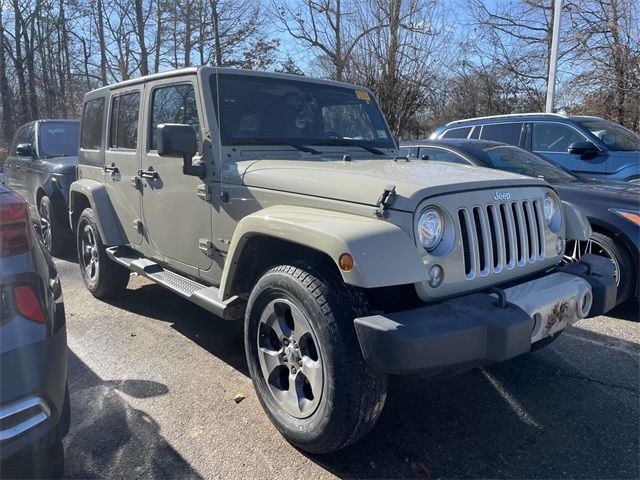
x=153 y=380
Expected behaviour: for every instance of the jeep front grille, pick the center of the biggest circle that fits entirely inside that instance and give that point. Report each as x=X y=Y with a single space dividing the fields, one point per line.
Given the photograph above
x=501 y=235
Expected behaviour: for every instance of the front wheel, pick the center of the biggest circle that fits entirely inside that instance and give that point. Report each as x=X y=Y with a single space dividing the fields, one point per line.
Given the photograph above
x=602 y=245
x=101 y=275
x=305 y=360
x=51 y=232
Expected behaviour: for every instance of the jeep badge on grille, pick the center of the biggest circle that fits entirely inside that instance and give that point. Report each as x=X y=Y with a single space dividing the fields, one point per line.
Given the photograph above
x=502 y=196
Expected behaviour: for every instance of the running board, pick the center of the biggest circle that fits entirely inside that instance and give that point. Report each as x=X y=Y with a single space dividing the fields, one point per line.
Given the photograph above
x=202 y=295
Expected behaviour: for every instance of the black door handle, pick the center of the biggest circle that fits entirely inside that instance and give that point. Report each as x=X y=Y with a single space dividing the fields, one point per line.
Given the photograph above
x=111 y=169
x=150 y=173
x=18 y=166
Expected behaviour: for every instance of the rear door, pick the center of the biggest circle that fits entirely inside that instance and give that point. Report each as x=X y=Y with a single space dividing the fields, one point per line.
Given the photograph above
x=552 y=140
x=10 y=162
x=21 y=164
x=176 y=219
x=122 y=160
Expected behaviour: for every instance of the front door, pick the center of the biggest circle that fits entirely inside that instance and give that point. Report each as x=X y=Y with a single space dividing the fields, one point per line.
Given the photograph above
x=122 y=161
x=552 y=140
x=176 y=219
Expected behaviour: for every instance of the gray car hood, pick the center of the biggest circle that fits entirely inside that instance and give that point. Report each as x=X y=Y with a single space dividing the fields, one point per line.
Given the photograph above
x=362 y=181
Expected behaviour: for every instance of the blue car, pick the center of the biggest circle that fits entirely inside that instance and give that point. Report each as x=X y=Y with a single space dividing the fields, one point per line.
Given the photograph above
x=589 y=146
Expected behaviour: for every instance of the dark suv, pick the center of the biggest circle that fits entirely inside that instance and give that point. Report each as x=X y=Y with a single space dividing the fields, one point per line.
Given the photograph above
x=589 y=146
x=40 y=167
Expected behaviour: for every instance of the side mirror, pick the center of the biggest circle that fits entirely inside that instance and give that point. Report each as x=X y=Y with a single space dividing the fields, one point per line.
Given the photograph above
x=584 y=149
x=424 y=157
x=25 y=150
x=178 y=140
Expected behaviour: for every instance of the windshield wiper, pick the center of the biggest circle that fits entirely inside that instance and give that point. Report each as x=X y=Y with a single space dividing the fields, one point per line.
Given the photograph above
x=302 y=148
x=351 y=143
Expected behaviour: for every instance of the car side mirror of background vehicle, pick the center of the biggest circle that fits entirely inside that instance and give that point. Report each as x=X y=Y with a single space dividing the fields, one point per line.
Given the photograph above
x=25 y=150
x=584 y=149
x=424 y=157
x=178 y=140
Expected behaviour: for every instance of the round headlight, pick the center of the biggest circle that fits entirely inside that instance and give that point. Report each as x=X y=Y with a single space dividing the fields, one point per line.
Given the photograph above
x=430 y=228
x=550 y=207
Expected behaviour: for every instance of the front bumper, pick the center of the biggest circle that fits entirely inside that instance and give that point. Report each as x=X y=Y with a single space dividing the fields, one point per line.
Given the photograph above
x=488 y=327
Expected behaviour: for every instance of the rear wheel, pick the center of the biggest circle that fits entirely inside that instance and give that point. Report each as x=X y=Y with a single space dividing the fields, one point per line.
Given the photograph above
x=603 y=245
x=51 y=231
x=101 y=275
x=305 y=360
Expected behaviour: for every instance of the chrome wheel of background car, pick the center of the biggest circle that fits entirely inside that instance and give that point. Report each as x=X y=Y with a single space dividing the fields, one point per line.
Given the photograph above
x=89 y=252
x=45 y=224
x=575 y=250
x=290 y=359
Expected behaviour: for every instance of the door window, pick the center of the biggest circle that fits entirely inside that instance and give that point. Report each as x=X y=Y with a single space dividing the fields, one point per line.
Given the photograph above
x=457 y=133
x=502 y=132
x=553 y=137
x=92 y=123
x=124 y=121
x=441 y=155
x=173 y=104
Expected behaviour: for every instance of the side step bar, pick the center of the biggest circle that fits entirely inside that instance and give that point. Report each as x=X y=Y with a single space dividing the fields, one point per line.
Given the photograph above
x=202 y=295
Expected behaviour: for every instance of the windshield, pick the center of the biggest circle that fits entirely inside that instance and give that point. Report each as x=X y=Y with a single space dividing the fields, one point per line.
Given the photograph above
x=268 y=110
x=614 y=136
x=516 y=160
x=59 y=139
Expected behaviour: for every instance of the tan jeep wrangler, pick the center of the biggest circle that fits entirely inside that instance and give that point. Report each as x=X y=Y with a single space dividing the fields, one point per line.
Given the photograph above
x=279 y=200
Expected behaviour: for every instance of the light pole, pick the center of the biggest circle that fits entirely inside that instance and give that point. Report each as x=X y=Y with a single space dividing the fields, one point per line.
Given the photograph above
x=553 y=60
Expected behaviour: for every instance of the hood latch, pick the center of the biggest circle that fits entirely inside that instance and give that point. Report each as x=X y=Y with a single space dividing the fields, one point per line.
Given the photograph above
x=385 y=200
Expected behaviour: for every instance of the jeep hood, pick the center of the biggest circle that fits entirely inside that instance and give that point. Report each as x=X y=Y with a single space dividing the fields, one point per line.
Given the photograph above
x=362 y=181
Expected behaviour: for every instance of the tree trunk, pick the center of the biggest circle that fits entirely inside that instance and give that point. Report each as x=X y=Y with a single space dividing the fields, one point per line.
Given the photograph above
x=144 y=57
x=5 y=92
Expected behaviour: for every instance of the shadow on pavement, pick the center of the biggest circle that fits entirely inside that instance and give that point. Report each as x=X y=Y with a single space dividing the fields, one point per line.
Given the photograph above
x=629 y=310
x=222 y=338
x=110 y=439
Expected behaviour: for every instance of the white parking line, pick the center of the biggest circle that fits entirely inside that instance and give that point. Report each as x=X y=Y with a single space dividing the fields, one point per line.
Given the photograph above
x=514 y=405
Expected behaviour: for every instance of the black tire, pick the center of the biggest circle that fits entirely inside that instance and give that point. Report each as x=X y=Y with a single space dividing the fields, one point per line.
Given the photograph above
x=52 y=233
x=107 y=278
x=628 y=274
x=352 y=395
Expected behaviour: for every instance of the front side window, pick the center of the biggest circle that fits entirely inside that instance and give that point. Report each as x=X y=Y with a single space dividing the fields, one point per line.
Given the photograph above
x=457 y=133
x=92 y=124
x=502 y=132
x=553 y=137
x=173 y=104
x=267 y=110
x=614 y=136
x=440 y=155
x=58 y=139
x=124 y=121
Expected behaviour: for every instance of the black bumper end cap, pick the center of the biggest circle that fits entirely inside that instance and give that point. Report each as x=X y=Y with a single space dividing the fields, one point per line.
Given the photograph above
x=457 y=333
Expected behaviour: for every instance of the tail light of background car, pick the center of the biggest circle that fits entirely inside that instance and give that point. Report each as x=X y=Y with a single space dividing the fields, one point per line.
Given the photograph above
x=15 y=225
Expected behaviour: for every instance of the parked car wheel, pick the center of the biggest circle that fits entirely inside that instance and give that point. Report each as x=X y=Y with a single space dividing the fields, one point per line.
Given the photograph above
x=304 y=358
x=51 y=231
x=101 y=275
x=600 y=244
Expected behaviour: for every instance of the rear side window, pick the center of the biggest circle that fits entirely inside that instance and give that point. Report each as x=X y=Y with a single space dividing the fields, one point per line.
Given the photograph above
x=124 y=121
x=92 y=123
x=502 y=132
x=553 y=137
x=441 y=155
x=457 y=133
x=173 y=104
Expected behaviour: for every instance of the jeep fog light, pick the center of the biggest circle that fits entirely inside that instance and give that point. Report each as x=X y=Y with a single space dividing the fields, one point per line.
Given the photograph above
x=436 y=275
x=559 y=245
x=430 y=228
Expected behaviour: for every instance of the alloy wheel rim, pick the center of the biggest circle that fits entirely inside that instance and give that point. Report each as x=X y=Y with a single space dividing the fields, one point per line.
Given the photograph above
x=290 y=358
x=89 y=253
x=576 y=249
x=45 y=225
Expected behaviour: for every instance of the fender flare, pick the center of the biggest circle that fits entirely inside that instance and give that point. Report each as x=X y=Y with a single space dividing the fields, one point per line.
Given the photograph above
x=384 y=254
x=109 y=226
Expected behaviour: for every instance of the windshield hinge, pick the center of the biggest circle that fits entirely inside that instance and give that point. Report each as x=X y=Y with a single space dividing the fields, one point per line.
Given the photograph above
x=385 y=200
x=206 y=246
x=205 y=192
